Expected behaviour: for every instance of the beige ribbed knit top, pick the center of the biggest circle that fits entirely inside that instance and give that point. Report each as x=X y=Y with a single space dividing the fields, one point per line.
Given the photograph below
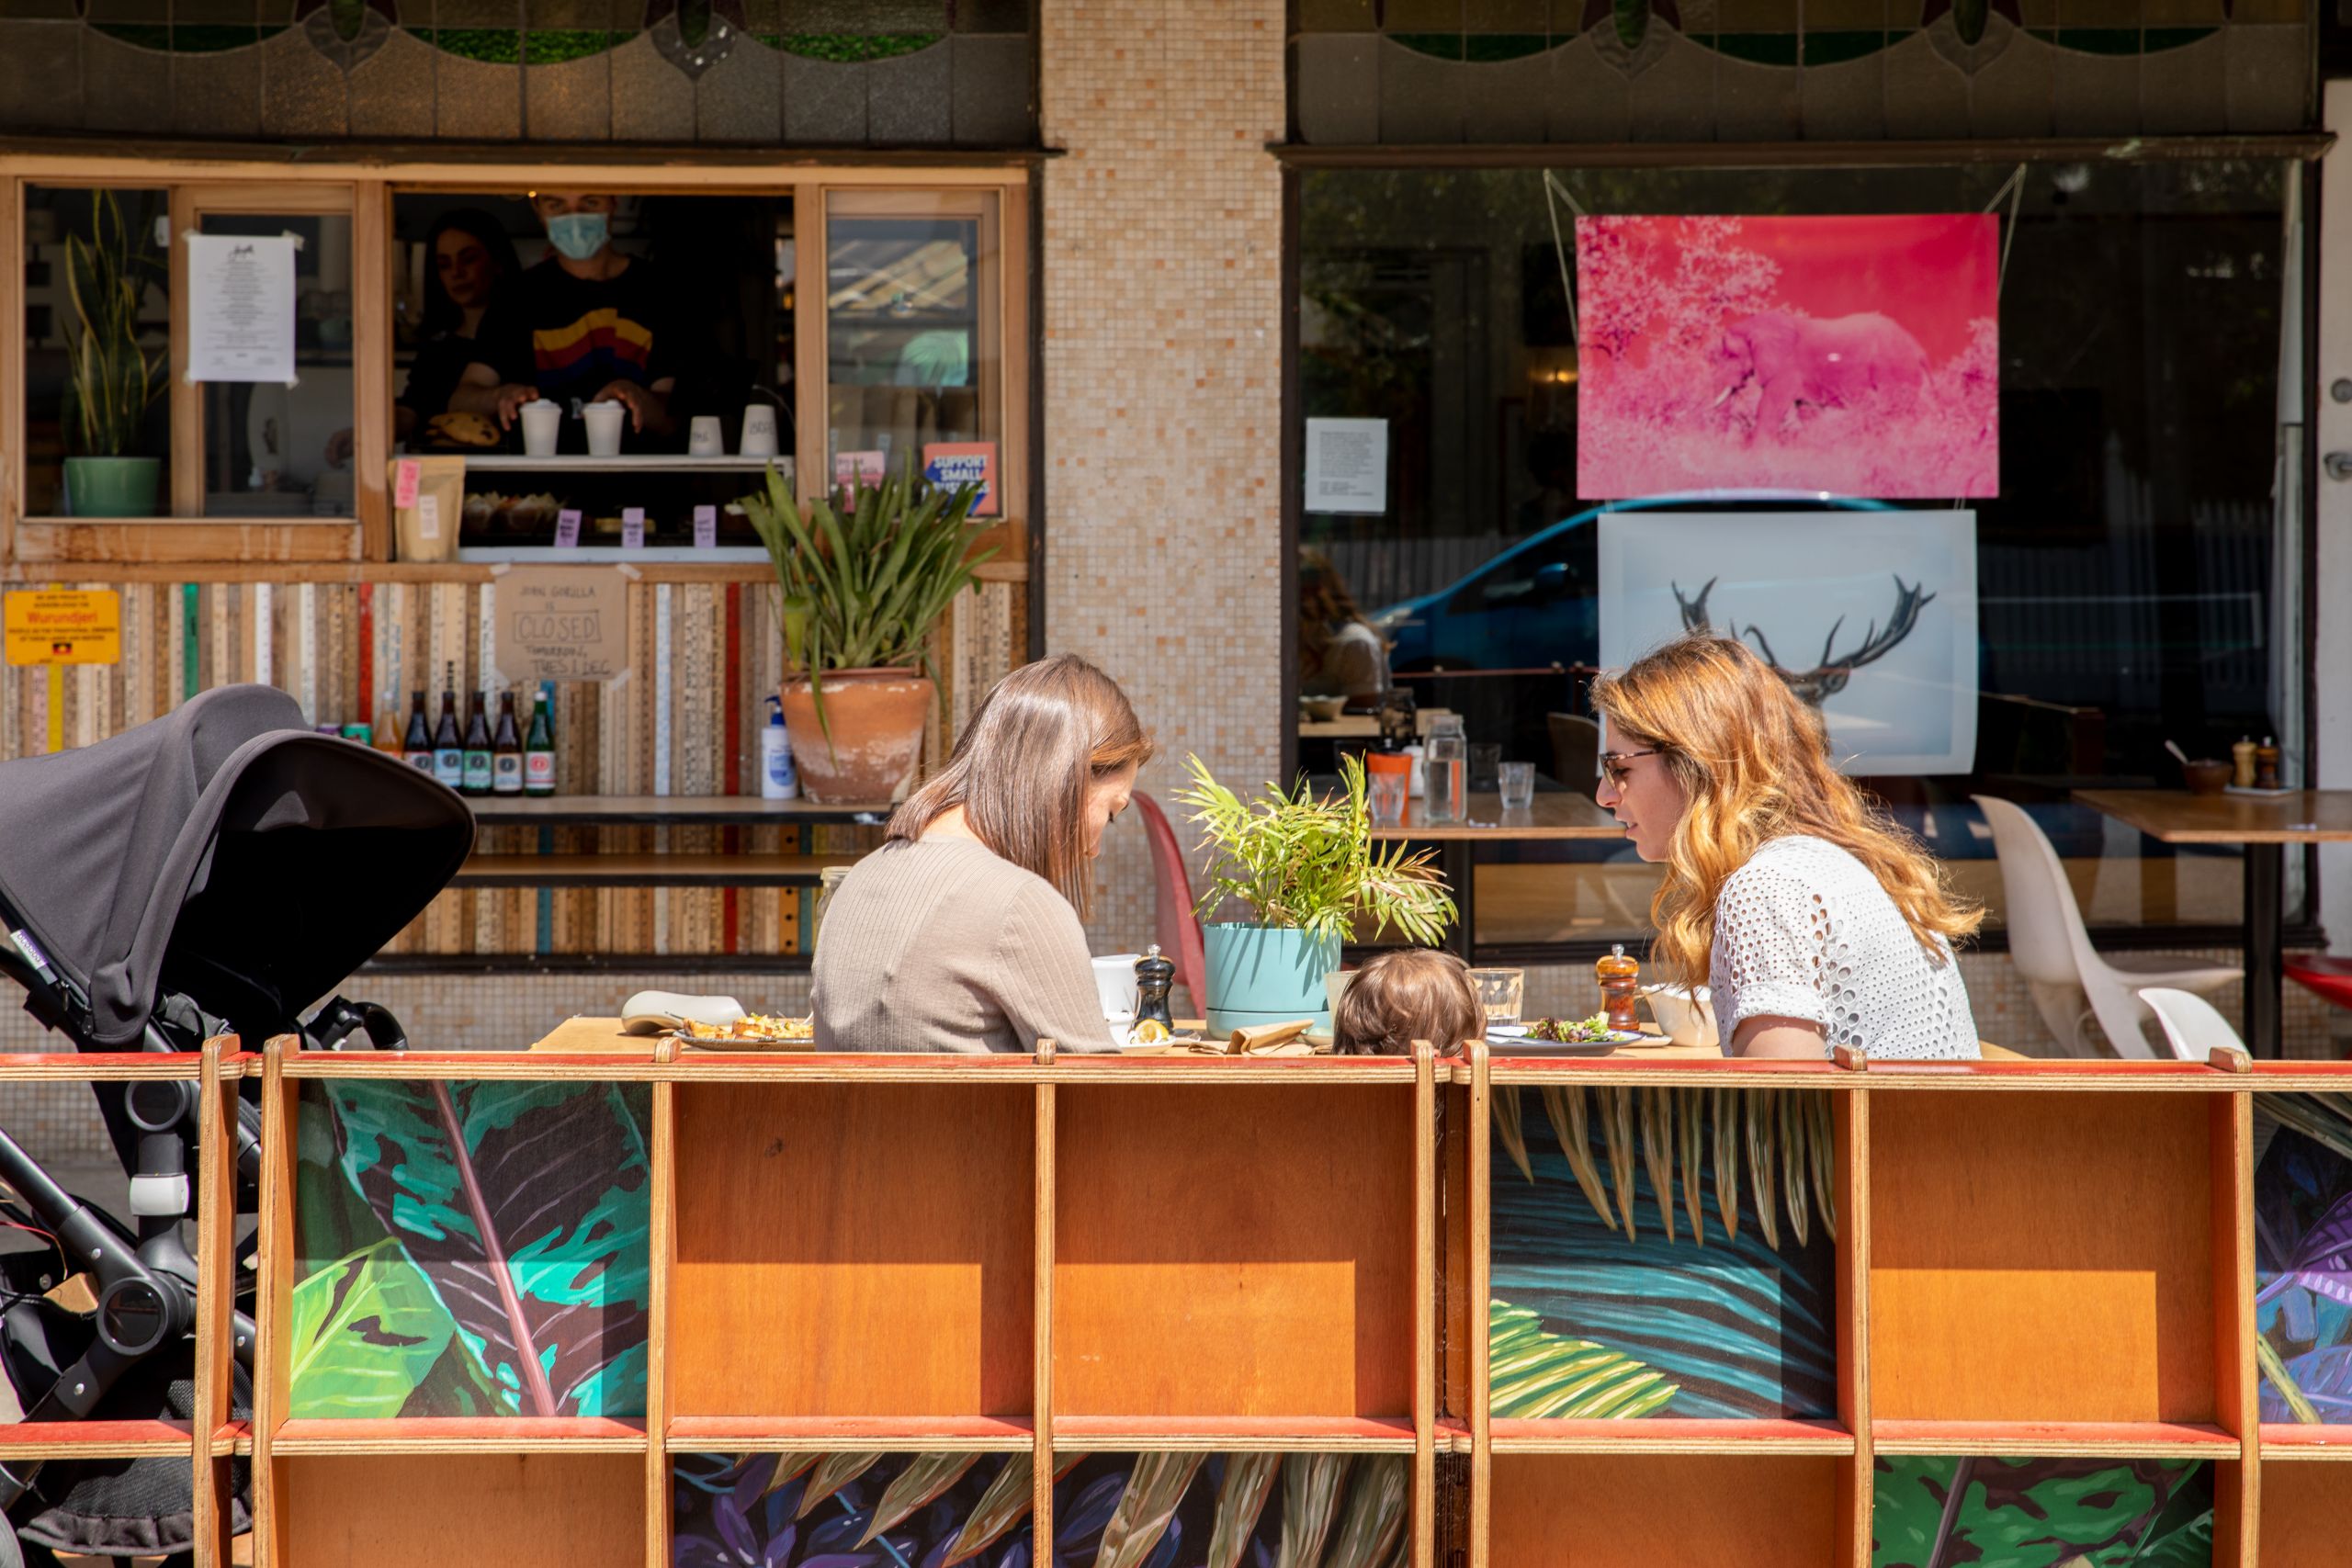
x=940 y=944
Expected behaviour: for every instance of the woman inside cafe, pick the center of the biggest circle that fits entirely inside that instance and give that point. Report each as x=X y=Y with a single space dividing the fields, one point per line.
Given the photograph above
x=1815 y=921
x=961 y=932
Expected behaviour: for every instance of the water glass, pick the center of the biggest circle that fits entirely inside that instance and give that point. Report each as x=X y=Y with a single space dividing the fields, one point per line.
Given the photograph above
x=1387 y=792
x=1483 y=759
x=1517 y=783
x=1501 y=992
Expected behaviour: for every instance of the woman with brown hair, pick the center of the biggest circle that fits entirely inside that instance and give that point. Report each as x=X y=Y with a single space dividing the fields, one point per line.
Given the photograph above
x=961 y=932
x=1340 y=654
x=1816 y=920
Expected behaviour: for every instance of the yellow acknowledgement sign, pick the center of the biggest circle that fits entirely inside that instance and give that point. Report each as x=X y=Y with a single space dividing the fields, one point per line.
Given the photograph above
x=65 y=625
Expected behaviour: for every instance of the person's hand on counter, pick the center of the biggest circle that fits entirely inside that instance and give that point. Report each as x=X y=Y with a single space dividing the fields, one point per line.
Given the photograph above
x=648 y=407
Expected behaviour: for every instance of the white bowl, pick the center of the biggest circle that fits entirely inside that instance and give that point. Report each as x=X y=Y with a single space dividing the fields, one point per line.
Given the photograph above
x=1688 y=1018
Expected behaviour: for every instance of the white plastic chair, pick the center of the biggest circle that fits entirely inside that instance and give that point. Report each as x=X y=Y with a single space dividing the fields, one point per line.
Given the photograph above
x=2190 y=1022
x=2070 y=981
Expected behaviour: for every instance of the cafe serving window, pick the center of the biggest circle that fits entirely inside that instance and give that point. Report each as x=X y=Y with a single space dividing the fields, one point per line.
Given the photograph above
x=2138 y=574
x=821 y=326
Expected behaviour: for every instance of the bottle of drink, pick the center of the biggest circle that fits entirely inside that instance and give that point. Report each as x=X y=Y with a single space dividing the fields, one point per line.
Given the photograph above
x=506 y=750
x=1621 y=987
x=1446 y=757
x=417 y=749
x=478 y=772
x=387 y=737
x=448 y=750
x=538 y=751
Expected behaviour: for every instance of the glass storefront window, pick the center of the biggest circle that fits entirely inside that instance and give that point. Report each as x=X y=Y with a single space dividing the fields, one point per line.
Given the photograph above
x=98 y=368
x=912 y=338
x=279 y=451
x=2131 y=586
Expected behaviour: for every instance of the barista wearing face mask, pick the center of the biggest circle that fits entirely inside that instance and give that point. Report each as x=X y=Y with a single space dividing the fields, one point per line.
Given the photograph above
x=588 y=324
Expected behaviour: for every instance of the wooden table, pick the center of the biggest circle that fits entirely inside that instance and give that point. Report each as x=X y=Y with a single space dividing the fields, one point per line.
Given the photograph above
x=2263 y=828
x=1552 y=815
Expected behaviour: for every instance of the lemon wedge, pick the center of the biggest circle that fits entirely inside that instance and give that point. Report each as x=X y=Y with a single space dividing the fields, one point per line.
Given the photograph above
x=1150 y=1032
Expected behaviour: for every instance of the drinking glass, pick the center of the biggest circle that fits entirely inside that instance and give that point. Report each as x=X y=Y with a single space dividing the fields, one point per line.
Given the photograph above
x=1517 y=783
x=1501 y=992
x=1388 y=797
x=1483 y=759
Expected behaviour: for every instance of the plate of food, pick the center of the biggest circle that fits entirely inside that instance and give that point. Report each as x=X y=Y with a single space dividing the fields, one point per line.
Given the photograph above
x=753 y=1031
x=1555 y=1037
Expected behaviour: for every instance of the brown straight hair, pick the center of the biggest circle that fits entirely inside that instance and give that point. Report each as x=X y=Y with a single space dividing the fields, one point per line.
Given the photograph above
x=1404 y=994
x=1021 y=769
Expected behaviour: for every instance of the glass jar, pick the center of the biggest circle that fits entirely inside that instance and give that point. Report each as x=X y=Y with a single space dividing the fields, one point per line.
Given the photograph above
x=1445 y=757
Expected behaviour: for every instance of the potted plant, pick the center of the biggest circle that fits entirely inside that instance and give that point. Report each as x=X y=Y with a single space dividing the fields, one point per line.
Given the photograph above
x=112 y=381
x=864 y=585
x=1305 y=868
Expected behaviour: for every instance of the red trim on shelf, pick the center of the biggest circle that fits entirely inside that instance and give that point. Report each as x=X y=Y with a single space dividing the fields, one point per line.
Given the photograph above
x=1988 y=1437
x=60 y=1435
x=482 y=1430
x=1239 y=1429
x=824 y=1430
x=2295 y=1435
x=1674 y=1431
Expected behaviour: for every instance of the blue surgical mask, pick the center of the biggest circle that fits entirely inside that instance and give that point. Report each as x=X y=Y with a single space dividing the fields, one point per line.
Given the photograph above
x=578 y=235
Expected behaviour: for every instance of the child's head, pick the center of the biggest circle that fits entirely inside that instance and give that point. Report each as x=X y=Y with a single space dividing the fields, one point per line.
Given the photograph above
x=1408 y=994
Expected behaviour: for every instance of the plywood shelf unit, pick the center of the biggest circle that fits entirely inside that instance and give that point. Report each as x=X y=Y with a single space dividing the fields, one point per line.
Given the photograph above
x=1030 y=1257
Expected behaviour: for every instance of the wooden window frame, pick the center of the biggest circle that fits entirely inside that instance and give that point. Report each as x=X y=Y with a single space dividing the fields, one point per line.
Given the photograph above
x=365 y=187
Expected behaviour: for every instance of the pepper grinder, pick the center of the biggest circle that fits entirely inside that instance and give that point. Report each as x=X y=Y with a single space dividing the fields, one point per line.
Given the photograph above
x=1154 y=975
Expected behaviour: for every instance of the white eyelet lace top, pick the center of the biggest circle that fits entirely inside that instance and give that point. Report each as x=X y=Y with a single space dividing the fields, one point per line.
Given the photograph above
x=1804 y=931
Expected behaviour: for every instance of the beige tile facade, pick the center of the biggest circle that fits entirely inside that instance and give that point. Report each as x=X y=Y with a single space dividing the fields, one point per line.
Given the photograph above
x=1162 y=260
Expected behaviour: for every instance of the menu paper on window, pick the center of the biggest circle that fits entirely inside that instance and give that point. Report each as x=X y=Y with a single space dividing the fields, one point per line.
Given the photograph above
x=1347 y=466
x=706 y=528
x=241 y=308
x=65 y=625
x=561 y=623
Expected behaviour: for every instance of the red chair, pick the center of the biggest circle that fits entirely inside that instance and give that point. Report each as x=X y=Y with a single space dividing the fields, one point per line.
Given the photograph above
x=2328 y=978
x=1171 y=900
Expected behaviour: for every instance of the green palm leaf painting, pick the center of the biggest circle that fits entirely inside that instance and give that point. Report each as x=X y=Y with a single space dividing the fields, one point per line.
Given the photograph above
x=366 y=1331
x=2041 y=1513
x=1539 y=1375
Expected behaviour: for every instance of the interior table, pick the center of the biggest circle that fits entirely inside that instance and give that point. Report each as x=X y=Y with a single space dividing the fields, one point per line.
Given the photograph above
x=2264 y=825
x=1553 y=814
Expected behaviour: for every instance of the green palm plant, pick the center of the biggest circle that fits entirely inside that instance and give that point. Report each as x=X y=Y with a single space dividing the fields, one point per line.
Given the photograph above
x=1304 y=861
x=863 y=584
x=112 y=378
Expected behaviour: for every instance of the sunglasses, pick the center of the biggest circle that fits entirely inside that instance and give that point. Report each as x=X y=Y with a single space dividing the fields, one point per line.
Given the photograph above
x=1612 y=764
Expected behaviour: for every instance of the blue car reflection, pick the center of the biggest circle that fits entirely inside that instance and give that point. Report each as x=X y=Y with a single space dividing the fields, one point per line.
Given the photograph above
x=1538 y=603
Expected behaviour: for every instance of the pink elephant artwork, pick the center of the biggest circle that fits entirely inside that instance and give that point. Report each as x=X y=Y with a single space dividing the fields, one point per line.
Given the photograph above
x=1857 y=357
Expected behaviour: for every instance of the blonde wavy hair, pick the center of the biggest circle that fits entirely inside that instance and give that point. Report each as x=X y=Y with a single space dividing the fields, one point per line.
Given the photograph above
x=1754 y=765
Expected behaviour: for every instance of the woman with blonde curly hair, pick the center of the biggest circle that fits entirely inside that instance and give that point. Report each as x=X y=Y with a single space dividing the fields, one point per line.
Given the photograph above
x=1815 y=921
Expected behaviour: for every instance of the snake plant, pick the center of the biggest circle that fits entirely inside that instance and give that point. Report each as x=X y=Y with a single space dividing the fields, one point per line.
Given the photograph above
x=113 y=379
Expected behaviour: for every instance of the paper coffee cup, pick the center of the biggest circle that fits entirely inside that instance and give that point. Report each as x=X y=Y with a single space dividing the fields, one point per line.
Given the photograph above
x=603 y=423
x=542 y=427
x=702 y=437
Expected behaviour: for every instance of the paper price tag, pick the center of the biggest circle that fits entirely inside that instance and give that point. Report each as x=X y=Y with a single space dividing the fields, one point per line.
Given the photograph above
x=632 y=527
x=567 y=529
x=428 y=516
x=706 y=528
x=404 y=483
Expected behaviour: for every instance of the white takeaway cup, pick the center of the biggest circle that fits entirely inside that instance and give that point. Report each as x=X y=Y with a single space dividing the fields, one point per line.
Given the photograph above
x=759 y=430
x=703 y=439
x=542 y=427
x=603 y=423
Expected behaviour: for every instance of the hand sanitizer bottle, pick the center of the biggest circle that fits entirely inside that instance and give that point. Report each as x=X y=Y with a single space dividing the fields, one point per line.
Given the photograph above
x=777 y=781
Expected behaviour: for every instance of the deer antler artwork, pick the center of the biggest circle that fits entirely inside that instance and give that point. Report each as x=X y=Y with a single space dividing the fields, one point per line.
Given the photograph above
x=1829 y=677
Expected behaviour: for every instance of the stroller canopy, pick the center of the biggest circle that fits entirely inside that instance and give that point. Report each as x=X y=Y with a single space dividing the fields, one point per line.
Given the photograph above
x=223 y=852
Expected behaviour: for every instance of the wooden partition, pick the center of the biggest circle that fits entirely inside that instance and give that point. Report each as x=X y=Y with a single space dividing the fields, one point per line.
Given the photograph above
x=964 y=1300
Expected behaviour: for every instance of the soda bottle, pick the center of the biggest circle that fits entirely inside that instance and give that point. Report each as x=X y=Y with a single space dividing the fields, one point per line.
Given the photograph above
x=538 y=751
x=476 y=764
x=448 y=750
x=417 y=749
x=506 y=751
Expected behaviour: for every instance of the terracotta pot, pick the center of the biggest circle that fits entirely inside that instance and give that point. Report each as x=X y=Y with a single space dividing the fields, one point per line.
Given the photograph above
x=875 y=739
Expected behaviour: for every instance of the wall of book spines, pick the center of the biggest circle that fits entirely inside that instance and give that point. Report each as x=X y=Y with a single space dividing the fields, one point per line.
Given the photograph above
x=681 y=721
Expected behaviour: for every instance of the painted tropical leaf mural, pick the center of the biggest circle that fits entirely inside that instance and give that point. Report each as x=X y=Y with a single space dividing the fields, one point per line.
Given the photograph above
x=2302 y=1257
x=1538 y=1375
x=1689 y=1231
x=1127 y=1510
x=518 y=1210
x=1931 y=1512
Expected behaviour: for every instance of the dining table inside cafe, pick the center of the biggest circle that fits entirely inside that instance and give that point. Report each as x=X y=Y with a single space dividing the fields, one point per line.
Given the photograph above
x=1553 y=814
x=2262 y=826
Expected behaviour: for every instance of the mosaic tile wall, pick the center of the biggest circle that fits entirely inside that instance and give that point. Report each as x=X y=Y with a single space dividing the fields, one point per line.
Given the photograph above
x=816 y=72
x=1163 y=376
x=1408 y=71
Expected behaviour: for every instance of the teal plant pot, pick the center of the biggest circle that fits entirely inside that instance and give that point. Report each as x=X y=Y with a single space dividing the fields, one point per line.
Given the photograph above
x=1257 y=975
x=112 y=486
